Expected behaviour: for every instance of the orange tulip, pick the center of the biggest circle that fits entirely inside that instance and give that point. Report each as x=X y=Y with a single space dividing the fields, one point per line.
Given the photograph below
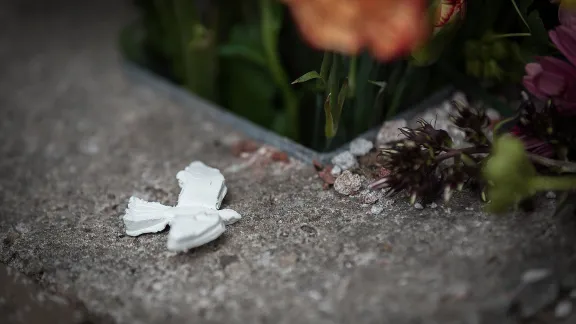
x=387 y=28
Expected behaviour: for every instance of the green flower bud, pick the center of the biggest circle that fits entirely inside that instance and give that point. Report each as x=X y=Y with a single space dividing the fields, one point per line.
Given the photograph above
x=472 y=49
x=485 y=52
x=510 y=172
x=474 y=68
x=492 y=70
x=499 y=50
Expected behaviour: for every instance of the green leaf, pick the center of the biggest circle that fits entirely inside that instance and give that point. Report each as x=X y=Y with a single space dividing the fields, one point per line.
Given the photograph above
x=342 y=95
x=244 y=52
x=308 y=76
x=244 y=42
x=329 y=130
x=539 y=32
x=326 y=65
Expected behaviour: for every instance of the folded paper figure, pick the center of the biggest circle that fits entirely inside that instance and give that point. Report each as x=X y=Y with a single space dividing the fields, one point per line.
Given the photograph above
x=201 y=186
x=195 y=220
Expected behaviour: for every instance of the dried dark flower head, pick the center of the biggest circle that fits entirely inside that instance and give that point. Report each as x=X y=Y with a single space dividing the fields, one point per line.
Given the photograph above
x=412 y=168
x=417 y=163
x=464 y=170
x=427 y=135
x=473 y=121
x=544 y=129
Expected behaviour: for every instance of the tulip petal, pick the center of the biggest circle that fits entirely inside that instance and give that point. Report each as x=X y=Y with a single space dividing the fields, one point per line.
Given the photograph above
x=388 y=28
x=398 y=29
x=328 y=25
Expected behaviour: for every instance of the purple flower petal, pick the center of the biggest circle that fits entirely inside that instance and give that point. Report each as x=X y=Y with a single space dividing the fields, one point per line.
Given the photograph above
x=551 y=84
x=533 y=69
x=566 y=107
x=565 y=39
x=567 y=17
x=528 y=83
x=557 y=66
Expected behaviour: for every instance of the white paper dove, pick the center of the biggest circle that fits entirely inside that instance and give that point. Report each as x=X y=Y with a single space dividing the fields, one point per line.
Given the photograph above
x=196 y=218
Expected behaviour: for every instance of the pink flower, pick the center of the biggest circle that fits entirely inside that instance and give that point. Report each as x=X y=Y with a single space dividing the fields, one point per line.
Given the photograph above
x=552 y=78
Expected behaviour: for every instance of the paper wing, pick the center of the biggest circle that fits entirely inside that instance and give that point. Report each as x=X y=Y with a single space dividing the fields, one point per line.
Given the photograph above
x=201 y=186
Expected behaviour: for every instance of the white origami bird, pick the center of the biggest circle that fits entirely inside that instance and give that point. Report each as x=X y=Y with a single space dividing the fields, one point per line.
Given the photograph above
x=195 y=220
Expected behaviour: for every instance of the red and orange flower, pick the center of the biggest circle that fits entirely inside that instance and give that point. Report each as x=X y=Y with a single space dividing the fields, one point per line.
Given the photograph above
x=387 y=28
x=448 y=11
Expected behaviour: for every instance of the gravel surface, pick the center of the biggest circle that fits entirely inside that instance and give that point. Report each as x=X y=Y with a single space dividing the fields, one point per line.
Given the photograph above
x=78 y=139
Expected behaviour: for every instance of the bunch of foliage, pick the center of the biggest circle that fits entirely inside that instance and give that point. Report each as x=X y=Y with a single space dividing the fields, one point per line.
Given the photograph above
x=537 y=154
x=244 y=54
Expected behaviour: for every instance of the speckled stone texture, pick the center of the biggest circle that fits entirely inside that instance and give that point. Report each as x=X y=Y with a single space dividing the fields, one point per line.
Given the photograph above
x=78 y=140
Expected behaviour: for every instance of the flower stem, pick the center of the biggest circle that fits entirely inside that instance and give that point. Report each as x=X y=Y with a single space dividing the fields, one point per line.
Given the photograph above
x=352 y=75
x=326 y=65
x=333 y=82
x=399 y=90
x=268 y=31
x=564 y=166
x=497 y=36
x=468 y=151
x=520 y=14
x=545 y=183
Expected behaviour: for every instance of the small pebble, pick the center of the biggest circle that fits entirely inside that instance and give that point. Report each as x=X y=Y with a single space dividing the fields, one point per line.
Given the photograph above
x=551 y=195
x=534 y=275
x=563 y=309
x=369 y=197
x=433 y=205
x=361 y=146
x=345 y=161
x=377 y=209
x=418 y=206
x=348 y=183
x=336 y=171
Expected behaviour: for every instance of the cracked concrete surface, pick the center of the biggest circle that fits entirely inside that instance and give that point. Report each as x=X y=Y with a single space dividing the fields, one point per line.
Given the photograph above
x=78 y=139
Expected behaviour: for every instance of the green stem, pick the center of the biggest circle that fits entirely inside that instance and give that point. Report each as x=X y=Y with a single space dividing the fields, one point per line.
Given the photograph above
x=352 y=75
x=333 y=82
x=326 y=65
x=269 y=42
x=563 y=166
x=183 y=44
x=546 y=183
x=458 y=152
x=498 y=36
x=520 y=14
x=399 y=91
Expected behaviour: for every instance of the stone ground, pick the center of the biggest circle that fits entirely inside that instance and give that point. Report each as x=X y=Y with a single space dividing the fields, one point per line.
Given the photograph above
x=78 y=139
